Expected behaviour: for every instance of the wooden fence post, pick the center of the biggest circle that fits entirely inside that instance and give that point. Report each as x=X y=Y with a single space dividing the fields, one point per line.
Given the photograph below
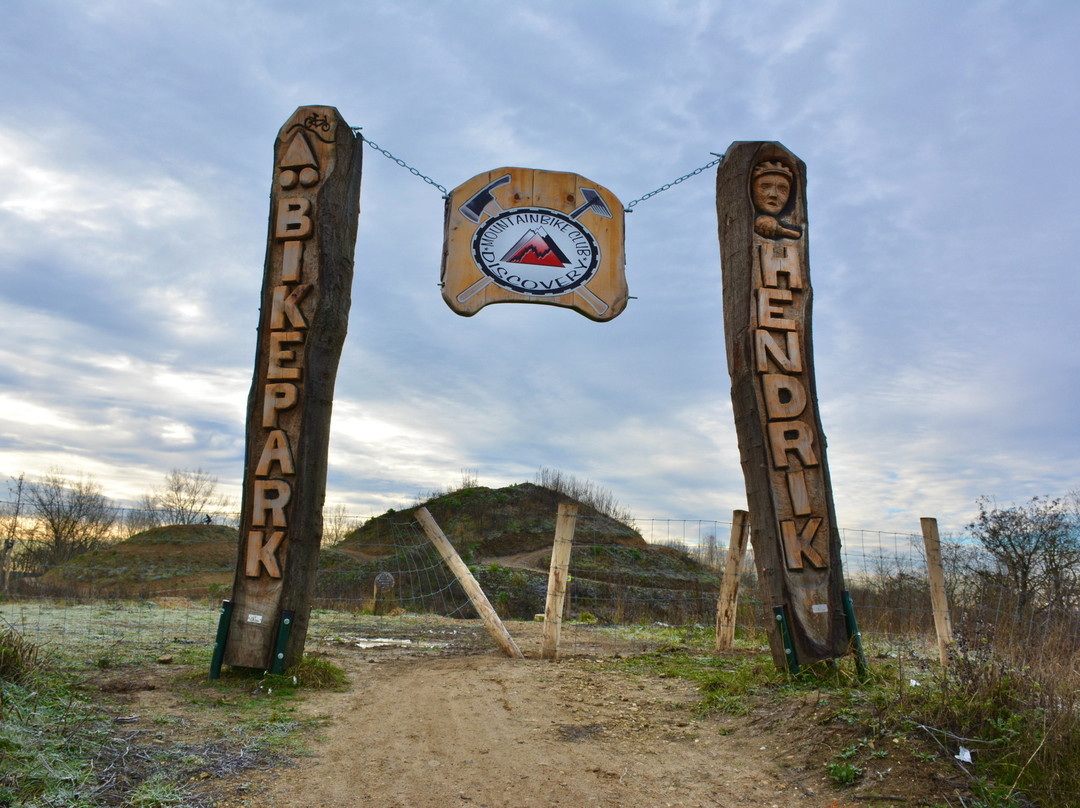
x=476 y=595
x=727 y=605
x=940 y=601
x=560 y=568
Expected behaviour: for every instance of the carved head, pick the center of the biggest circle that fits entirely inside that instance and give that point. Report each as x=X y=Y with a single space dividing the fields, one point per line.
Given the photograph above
x=770 y=187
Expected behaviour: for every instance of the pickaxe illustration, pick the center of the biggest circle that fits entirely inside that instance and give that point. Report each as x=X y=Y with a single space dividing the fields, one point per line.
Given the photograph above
x=593 y=202
x=483 y=201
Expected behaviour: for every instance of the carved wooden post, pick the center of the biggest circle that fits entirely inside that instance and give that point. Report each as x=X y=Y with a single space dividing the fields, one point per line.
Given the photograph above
x=761 y=208
x=306 y=293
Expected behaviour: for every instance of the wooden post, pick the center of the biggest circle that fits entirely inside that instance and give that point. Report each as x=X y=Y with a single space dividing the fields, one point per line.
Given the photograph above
x=560 y=568
x=765 y=262
x=727 y=605
x=938 y=597
x=479 y=600
x=304 y=311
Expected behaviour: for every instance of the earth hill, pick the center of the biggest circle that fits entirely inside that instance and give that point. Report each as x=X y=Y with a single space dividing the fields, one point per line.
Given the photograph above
x=504 y=534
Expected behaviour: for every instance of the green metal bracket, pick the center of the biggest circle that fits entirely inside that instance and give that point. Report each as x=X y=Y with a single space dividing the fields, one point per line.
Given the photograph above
x=284 y=627
x=785 y=636
x=219 y=640
x=856 y=635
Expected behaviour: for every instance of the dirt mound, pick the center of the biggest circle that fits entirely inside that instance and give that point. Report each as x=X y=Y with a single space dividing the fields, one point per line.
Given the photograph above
x=192 y=559
x=484 y=522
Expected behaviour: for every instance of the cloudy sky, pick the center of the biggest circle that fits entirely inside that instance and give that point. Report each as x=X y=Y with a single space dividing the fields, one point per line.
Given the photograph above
x=136 y=145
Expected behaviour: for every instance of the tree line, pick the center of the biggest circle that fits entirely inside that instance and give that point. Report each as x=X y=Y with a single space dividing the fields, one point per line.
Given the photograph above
x=1030 y=552
x=57 y=516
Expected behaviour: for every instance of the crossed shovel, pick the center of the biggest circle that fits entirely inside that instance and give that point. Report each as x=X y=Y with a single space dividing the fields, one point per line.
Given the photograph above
x=483 y=201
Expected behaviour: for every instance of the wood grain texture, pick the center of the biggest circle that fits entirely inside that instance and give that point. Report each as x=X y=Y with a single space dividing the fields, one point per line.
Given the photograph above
x=472 y=588
x=557 y=579
x=728 y=602
x=768 y=333
x=938 y=596
x=306 y=295
x=465 y=286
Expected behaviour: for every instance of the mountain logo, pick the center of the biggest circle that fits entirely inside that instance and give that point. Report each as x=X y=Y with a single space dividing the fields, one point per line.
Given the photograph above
x=538 y=252
x=536 y=247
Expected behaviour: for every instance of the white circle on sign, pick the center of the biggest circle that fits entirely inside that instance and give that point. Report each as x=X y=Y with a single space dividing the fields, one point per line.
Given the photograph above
x=535 y=251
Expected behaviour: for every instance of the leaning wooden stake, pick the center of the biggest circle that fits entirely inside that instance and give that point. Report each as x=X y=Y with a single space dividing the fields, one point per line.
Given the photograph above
x=479 y=600
x=560 y=569
x=728 y=603
x=940 y=601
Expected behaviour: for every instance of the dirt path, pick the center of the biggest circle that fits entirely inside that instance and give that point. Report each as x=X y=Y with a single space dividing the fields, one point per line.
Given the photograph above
x=483 y=730
x=439 y=718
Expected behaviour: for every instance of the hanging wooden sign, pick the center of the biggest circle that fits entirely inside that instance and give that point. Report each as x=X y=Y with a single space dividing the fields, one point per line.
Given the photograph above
x=761 y=207
x=521 y=235
x=306 y=293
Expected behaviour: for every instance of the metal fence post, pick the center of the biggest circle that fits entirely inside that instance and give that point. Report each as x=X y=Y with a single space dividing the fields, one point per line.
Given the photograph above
x=219 y=640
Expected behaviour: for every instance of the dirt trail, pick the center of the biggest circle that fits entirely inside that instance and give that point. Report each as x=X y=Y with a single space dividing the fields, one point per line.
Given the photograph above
x=483 y=730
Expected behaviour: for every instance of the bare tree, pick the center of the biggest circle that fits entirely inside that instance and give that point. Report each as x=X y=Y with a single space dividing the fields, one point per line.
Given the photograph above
x=70 y=517
x=143 y=516
x=187 y=497
x=1036 y=547
x=12 y=526
x=337 y=524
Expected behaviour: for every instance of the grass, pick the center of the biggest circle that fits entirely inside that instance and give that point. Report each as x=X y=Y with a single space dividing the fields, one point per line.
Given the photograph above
x=1019 y=715
x=1021 y=721
x=50 y=732
x=60 y=745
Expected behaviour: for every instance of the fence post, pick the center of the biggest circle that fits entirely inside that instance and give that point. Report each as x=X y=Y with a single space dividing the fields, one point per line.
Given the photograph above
x=791 y=658
x=219 y=640
x=476 y=595
x=856 y=635
x=940 y=601
x=560 y=568
x=727 y=605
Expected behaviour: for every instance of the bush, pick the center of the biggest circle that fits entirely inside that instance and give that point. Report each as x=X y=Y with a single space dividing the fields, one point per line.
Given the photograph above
x=18 y=657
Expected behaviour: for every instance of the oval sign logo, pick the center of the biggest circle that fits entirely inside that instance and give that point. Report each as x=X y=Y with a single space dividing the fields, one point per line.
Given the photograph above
x=535 y=251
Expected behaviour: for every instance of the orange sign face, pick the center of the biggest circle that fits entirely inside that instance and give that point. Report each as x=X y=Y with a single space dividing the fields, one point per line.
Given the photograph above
x=520 y=235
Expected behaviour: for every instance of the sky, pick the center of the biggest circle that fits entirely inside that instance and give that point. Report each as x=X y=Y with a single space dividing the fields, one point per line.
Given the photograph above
x=136 y=156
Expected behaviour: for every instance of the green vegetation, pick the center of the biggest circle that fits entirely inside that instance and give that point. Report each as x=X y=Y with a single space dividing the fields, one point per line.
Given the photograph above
x=1022 y=724
x=49 y=731
x=60 y=743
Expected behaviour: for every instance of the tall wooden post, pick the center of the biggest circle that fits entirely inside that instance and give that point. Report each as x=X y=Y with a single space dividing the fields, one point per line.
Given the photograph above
x=761 y=208
x=306 y=294
x=728 y=603
x=938 y=597
x=560 y=568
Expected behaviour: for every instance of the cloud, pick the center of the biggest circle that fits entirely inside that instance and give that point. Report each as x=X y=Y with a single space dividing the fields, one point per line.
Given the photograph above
x=136 y=148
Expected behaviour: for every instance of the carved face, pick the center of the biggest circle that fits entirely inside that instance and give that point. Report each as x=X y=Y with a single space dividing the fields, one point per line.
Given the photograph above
x=770 y=192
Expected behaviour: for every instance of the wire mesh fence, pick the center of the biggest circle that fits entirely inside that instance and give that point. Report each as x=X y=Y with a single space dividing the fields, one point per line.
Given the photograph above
x=164 y=587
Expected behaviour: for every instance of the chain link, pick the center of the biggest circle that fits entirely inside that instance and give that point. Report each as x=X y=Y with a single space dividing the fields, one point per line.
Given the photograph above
x=628 y=209
x=719 y=158
x=401 y=162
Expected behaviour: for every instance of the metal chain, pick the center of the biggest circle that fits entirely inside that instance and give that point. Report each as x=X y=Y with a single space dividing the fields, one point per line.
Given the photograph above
x=401 y=162
x=628 y=209
x=719 y=158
